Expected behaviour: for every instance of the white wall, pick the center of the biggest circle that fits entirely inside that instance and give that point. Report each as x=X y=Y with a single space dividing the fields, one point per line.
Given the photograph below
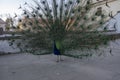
x=2 y=26
x=114 y=7
x=117 y=17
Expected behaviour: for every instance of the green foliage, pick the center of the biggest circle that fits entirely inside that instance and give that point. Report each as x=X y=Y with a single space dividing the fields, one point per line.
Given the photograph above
x=8 y=23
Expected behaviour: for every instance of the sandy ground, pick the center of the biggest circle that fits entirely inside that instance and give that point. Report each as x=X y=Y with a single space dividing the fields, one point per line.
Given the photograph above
x=32 y=67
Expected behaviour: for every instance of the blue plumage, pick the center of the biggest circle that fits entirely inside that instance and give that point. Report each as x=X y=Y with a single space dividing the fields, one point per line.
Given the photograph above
x=56 y=51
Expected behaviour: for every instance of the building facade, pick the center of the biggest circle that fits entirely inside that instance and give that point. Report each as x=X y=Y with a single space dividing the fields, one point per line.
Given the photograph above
x=2 y=26
x=112 y=9
x=110 y=6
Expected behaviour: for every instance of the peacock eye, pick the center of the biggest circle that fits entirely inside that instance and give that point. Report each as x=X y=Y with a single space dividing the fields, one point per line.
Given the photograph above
x=65 y=13
x=56 y=6
x=51 y=16
x=65 y=19
x=18 y=27
x=32 y=12
x=87 y=8
x=27 y=16
x=38 y=8
x=78 y=1
x=88 y=2
x=101 y=22
x=47 y=15
x=40 y=15
x=30 y=23
x=25 y=12
x=20 y=20
x=73 y=11
x=105 y=28
x=34 y=15
x=78 y=10
x=26 y=45
x=60 y=9
x=65 y=5
x=43 y=2
x=50 y=10
x=71 y=18
x=93 y=19
x=78 y=18
x=36 y=12
x=85 y=18
x=70 y=2
x=24 y=24
x=102 y=15
x=45 y=9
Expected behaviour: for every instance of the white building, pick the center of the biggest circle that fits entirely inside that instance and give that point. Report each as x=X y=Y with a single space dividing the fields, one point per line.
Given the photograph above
x=2 y=25
x=111 y=7
x=108 y=5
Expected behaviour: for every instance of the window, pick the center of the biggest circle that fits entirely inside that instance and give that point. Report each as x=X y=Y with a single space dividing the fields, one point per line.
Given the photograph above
x=99 y=11
x=1 y=31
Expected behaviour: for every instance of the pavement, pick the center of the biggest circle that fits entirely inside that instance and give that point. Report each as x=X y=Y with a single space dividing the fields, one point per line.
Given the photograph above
x=35 y=67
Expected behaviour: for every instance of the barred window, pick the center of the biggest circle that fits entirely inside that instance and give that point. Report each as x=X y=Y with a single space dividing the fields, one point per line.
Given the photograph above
x=99 y=11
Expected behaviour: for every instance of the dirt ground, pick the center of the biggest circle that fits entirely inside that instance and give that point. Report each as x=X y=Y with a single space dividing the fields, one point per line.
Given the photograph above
x=31 y=67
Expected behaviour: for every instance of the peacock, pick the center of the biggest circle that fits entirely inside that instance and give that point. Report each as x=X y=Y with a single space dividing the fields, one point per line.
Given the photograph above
x=57 y=49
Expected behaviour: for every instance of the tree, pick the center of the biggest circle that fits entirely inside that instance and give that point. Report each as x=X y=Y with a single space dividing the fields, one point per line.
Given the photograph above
x=10 y=22
x=71 y=22
x=7 y=24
